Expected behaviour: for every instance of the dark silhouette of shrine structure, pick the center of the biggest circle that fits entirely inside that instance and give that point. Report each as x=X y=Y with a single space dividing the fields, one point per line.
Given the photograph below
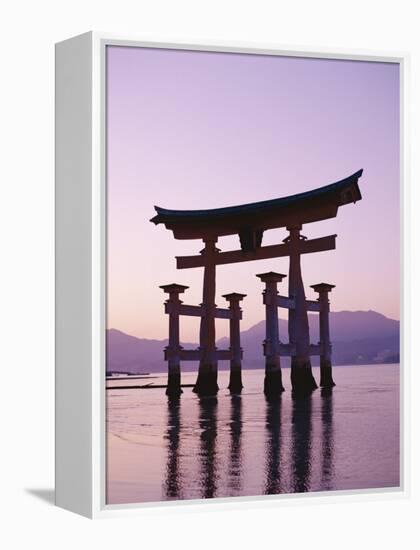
x=249 y=221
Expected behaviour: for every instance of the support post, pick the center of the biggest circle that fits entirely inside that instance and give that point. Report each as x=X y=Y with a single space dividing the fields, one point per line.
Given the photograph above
x=302 y=378
x=324 y=334
x=273 y=385
x=206 y=383
x=235 y=380
x=172 y=351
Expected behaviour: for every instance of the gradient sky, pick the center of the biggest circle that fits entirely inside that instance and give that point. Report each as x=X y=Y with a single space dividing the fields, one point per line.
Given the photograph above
x=194 y=130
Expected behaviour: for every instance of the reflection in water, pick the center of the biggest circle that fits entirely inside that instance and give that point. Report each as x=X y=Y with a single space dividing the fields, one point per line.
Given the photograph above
x=208 y=453
x=235 y=462
x=211 y=480
x=301 y=444
x=173 y=481
x=158 y=450
x=327 y=447
x=273 y=447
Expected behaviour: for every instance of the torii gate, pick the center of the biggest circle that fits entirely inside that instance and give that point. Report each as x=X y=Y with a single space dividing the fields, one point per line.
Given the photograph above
x=249 y=221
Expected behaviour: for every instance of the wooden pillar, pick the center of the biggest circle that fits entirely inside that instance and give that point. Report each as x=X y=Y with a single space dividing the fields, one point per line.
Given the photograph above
x=172 y=351
x=302 y=378
x=206 y=383
x=272 y=381
x=324 y=333
x=235 y=380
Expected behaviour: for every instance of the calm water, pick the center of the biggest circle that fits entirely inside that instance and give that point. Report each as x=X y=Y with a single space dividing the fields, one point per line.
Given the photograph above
x=231 y=446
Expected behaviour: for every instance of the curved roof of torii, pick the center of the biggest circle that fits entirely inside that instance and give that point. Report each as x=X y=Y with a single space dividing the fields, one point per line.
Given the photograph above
x=311 y=206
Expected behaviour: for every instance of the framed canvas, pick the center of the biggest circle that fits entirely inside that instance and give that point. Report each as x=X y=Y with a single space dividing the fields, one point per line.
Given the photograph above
x=229 y=282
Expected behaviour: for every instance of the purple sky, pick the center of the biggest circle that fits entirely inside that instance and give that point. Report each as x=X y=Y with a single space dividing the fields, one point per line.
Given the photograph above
x=196 y=130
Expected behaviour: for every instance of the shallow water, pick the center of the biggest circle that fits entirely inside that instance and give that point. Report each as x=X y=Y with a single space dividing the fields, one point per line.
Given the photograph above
x=238 y=446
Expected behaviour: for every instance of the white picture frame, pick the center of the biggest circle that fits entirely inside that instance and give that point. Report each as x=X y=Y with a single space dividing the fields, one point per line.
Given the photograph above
x=80 y=270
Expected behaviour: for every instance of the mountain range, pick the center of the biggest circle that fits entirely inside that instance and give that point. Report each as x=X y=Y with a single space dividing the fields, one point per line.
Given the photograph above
x=358 y=337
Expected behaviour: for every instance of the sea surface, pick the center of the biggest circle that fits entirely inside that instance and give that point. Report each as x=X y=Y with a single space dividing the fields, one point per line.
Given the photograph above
x=347 y=438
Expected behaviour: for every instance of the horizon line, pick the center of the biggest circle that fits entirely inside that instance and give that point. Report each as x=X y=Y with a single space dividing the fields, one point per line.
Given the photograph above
x=262 y=320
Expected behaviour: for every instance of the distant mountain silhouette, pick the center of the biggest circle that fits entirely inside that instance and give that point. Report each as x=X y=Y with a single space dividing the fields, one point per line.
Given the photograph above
x=130 y=354
x=358 y=337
